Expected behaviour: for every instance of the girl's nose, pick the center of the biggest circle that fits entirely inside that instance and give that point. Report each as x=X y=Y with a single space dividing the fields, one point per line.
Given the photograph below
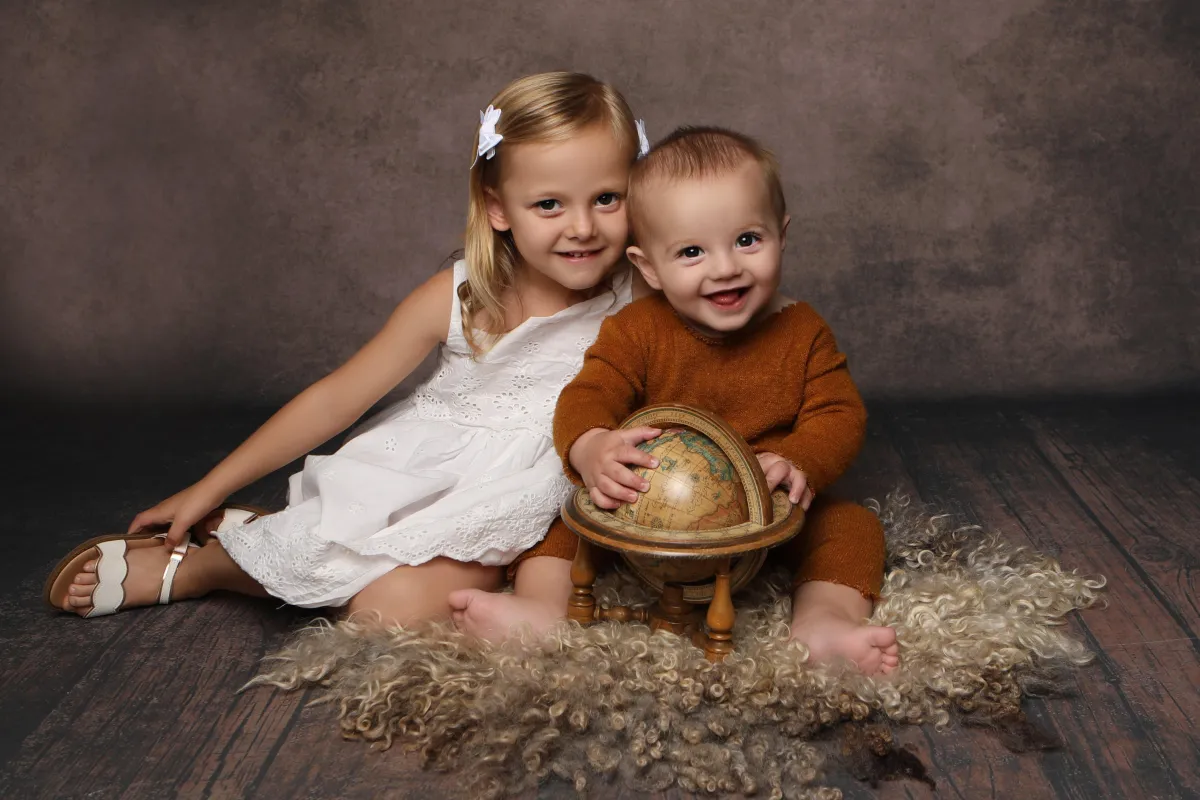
x=582 y=225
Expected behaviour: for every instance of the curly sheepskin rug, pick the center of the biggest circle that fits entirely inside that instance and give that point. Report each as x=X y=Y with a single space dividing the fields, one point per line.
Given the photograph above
x=979 y=625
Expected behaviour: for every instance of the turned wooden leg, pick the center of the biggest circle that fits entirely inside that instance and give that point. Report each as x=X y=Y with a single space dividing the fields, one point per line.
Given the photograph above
x=582 y=605
x=673 y=613
x=721 y=617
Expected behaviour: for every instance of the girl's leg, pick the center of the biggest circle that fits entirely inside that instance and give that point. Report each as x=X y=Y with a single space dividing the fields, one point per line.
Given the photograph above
x=410 y=594
x=404 y=595
x=203 y=570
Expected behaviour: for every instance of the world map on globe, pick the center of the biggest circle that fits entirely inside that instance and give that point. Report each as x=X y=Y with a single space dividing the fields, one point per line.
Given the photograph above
x=695 y=486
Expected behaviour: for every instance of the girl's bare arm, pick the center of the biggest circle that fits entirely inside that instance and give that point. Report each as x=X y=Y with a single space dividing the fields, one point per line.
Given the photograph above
x=322 y=410
x=333 y=403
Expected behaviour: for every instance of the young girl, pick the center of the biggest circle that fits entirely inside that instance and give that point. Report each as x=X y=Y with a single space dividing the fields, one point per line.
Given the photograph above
x=442 y=490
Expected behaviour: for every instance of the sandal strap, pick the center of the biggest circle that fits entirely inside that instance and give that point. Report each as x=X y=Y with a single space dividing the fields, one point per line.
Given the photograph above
x=111 y=570
x=177 y=554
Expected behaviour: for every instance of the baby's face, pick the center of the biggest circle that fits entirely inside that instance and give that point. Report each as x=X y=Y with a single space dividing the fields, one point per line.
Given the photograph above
x=713 y=246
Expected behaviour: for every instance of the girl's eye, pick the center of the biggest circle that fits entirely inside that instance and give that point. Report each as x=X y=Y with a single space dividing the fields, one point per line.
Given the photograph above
x=747 y=239
x=607 y=199
x=547 y=205
x=692 y=251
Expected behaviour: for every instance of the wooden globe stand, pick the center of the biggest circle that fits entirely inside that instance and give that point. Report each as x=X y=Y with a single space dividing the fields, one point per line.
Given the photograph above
x=772 y=520
x=671 y=612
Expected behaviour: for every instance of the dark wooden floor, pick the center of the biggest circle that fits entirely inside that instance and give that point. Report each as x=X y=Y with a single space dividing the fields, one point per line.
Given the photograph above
x=142 y=704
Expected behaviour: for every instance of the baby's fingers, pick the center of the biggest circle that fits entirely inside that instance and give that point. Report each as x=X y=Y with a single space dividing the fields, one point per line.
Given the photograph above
x=776 y=474
x=797 y=483
x=639 y=435
x=622 y=485
x=602 y=500
x=640 y=458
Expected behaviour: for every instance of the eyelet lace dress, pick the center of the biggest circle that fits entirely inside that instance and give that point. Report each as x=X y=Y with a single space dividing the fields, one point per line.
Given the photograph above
x=464 y=467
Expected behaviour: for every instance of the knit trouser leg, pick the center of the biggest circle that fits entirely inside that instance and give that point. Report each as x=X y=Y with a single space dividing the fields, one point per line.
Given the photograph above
x=560 y=542
x=841 y=542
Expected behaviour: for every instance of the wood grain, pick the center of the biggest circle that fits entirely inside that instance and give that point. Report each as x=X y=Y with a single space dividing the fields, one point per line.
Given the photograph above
x=145 y=704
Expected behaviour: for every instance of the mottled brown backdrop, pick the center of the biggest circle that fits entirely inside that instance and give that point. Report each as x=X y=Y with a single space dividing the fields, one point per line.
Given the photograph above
x=219 y=201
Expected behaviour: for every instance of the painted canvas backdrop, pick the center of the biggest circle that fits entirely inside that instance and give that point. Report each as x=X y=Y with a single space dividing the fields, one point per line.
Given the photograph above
x=221 y=201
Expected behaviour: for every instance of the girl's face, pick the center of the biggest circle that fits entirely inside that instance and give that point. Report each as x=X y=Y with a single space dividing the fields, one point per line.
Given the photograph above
x=565 y=205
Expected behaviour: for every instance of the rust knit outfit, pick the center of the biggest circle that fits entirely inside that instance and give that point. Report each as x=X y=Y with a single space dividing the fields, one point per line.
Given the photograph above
x=782 y=384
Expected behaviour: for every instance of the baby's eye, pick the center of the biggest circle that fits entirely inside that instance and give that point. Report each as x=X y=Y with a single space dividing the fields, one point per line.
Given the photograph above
x=548 y=205
x=607 y=199
x=691 y=251
x=747 y=239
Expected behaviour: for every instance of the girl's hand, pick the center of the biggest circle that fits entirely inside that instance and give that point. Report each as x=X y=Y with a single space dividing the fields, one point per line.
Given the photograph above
x=781 y=471
x=182 y=511
x=601 y=458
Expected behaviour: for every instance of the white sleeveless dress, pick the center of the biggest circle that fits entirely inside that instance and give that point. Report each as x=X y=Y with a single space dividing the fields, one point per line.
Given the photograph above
x=465 y=467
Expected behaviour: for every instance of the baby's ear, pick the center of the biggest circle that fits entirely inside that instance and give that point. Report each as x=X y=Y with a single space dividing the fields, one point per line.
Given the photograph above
x=644 y=266
x=495 y=210
x=787 y=220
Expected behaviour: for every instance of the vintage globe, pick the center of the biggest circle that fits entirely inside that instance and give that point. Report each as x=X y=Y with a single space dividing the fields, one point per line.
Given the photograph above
x=707 y=501
x=694 y=488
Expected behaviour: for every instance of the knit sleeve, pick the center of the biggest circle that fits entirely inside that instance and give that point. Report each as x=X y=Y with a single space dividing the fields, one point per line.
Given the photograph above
x=608 y=388
x=832 y=423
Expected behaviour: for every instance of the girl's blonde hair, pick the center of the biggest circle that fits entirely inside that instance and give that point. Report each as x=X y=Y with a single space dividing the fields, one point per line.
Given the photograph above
x=549 y=107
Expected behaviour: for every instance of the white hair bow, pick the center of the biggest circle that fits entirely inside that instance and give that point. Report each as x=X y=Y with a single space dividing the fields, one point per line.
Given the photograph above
x=488 y=138
x=643 y=141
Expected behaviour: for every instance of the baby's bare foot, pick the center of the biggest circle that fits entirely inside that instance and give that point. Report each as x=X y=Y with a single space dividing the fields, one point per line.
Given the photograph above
x=829 y=636
x=493 y=616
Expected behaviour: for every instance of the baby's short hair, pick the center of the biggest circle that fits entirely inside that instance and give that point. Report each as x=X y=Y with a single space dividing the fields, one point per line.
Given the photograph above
x=699 y=152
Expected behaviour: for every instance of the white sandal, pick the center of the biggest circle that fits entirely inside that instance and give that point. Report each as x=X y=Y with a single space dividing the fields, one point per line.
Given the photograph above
x=112 y=566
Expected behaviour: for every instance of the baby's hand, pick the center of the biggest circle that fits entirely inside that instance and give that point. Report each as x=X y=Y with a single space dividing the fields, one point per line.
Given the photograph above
x=781 y=471
x=602 y=457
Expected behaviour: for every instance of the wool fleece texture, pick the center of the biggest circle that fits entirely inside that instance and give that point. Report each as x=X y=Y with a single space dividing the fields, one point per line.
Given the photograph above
x=980 y=626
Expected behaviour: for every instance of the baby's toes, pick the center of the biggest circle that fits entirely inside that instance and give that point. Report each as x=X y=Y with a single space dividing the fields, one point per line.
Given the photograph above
x=882 y=638
x=84 y=579
x=871 y=663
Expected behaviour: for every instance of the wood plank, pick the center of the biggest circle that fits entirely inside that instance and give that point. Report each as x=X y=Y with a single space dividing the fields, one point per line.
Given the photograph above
x=986 y=465
x=143 y=704
x=964 y=763
x=1142 y=500
x=158 y=690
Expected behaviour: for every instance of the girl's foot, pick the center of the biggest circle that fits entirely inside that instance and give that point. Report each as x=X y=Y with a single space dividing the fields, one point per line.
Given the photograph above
x=114 y=573
x=146 y=562
x=830 y=635
x=493 y=616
